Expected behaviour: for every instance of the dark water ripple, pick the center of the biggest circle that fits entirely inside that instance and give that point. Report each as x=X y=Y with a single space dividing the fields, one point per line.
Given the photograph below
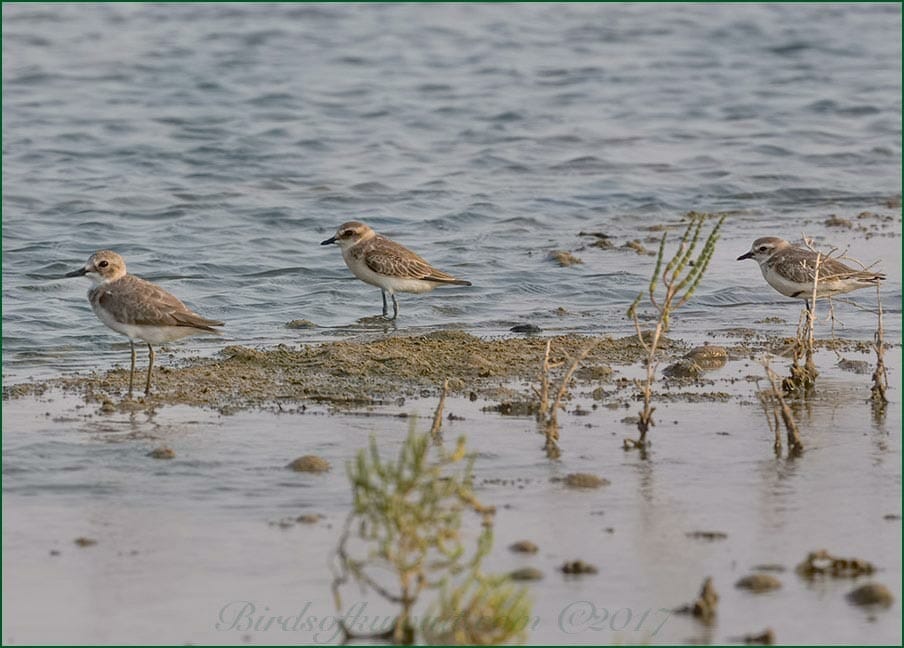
x=216 y=145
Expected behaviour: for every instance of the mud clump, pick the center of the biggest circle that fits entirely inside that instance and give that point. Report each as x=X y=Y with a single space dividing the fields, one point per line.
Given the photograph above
x=577 y=568
x=758 y=583
x=697 y=361
x=769 y=567
x=854 y=366
x=838 y=221
x=871 y=594
x=638 y=247
x=526 y=574
x=526 y=328
x=300 y=324
x=706 y=535
x=564 y=259
x=512 y=408
x=524 y=546
x=708 y=356
x=309 y=464
x=107 y=407
x=764 y=638
x=84 y=542
x=686 y=369
x=822 y=563
x=163 y=452
x=584 y=481
x=704 y=607
x=603 y=240
x=309 y=518
x=596 y=372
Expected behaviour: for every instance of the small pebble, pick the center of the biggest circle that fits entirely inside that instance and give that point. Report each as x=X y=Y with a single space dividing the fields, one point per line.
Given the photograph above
x=871 y=594
x=578 y=567
x=837 y=221
x=85 y=542
x=769 y=567
x=764 y=638
x=758 y=583
x=708 y=356
x=526 y=574
x=706 y=535
x=309 y=518
x=683 y=369
x=300 y=324
x=526 y=328
x=855 y=366
x=585 y=480
x=309 y=463
x=524 y=546
x=163 y=452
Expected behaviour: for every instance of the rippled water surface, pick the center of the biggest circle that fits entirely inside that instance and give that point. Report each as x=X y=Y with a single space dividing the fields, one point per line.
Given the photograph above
x=215 y=146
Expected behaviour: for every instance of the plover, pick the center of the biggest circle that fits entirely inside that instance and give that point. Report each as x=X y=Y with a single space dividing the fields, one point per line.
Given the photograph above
x=137 y=308
x=392 y=267
x=790 y=270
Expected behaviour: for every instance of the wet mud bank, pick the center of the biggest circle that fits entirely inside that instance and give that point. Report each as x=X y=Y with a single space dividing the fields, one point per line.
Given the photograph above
x=389 y=370
x=350 y=373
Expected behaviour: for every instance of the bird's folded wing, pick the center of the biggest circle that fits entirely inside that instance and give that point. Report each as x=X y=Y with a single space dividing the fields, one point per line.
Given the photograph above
x=803 y=270
x=400 y=262
x=133 y=300
x=834 y=269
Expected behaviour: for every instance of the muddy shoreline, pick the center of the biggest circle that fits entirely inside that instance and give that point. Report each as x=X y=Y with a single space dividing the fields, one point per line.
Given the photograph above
x=374 y=372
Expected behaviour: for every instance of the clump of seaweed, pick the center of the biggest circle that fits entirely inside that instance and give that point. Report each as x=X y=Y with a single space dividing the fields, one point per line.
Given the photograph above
x=404 y=536
x=821 y=564
x=548 y=409
x=680 y=278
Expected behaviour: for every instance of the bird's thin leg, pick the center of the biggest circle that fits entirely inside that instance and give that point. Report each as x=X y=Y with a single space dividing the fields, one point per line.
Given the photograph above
x=395 y=307
x=385 y=305
x=147 y=385
x=132 y=371
x=809 y=306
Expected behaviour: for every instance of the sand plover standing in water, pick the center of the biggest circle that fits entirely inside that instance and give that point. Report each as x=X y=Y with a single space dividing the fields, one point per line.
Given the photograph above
x=790 y=270
x=137 y=308
x=393 y=268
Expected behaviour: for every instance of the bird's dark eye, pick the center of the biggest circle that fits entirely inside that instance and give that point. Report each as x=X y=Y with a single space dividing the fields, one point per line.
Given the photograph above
x=762 y=248
x=103 y=264
x=347 y=233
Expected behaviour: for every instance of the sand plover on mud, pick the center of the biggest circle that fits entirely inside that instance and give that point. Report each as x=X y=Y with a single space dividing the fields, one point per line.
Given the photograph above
x=790 y=270
x=393 y=268
x=137 y=308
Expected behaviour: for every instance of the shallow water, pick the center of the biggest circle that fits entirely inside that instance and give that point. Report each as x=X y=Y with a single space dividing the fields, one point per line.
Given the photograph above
x=216 y=146
x=187 y=540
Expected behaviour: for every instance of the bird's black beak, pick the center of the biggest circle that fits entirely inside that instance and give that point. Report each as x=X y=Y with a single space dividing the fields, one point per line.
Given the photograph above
x=332 y=239
x=81 y=272
x=746 y=255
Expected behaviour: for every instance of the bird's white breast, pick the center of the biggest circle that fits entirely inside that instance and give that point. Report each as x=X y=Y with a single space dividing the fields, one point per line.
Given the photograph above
x=391 y=284
x=785 y=286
